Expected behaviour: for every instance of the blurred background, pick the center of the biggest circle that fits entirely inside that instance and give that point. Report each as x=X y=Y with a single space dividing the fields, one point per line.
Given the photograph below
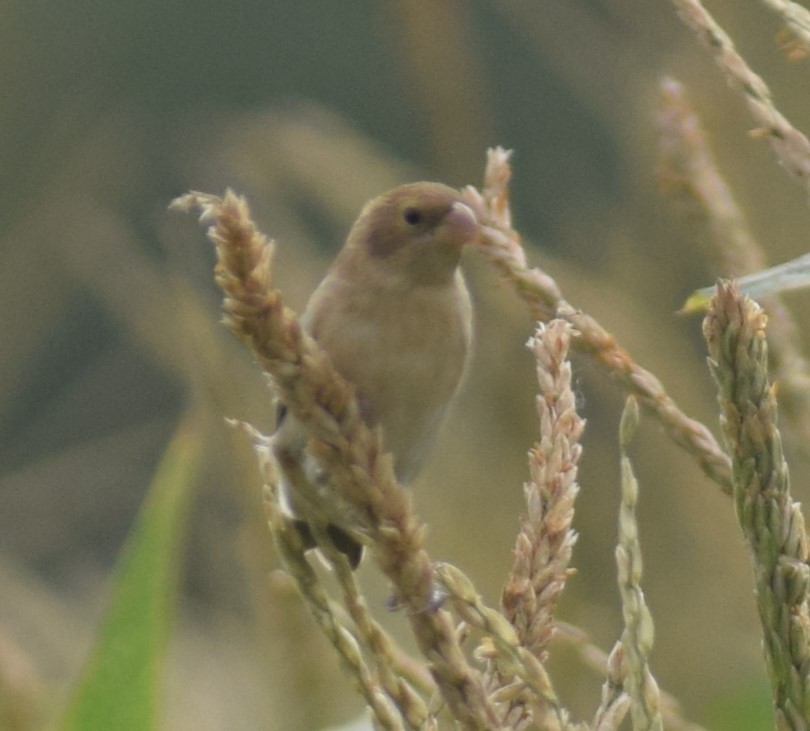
x=110 y=329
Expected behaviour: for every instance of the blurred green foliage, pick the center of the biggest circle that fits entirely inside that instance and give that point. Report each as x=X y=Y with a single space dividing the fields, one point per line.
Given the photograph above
x=121 y=684
x=745 y=708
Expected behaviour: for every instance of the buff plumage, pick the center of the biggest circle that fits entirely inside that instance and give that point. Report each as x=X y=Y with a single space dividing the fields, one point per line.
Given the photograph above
x=393 y=314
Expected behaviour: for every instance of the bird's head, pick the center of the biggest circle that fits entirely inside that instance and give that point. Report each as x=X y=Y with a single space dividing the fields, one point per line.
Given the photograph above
x=417 y=229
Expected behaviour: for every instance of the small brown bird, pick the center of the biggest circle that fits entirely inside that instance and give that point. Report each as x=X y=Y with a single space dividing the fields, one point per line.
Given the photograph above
x=393 y=314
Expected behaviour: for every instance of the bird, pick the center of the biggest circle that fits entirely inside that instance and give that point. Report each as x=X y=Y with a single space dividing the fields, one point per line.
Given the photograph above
x=394 y=316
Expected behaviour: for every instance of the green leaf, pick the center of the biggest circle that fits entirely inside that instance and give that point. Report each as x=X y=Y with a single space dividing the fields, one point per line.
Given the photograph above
x=747 y=707
x=120 y=686
x=698 y=301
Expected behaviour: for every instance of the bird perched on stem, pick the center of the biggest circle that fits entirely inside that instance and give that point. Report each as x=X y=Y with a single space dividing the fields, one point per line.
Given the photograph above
x=394 y=316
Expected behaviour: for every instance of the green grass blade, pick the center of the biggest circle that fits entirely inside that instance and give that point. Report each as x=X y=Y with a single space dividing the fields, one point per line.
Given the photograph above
x=120 y=686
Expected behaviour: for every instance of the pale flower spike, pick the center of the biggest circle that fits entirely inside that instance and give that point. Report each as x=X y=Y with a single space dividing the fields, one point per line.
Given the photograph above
x=793 y=274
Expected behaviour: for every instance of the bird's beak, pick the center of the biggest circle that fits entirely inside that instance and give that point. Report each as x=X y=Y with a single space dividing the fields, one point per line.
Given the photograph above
x=460 y=226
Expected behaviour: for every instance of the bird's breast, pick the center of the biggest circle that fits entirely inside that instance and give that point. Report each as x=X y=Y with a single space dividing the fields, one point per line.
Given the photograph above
x=406 y=354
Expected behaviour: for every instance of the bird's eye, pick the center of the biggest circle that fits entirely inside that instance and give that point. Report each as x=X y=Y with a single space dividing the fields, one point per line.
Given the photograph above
x=412 y=216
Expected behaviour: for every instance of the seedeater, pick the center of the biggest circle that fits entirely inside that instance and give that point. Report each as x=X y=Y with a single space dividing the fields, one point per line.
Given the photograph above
x=393 y=313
